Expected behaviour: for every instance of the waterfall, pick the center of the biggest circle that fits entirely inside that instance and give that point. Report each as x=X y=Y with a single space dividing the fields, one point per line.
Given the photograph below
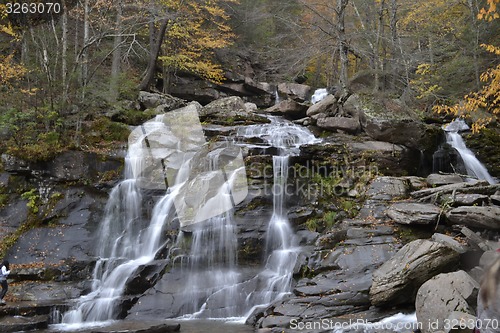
x=281 y=245
x=318 y=95
x=215 y=288
x=200 y=184
x=277 y=98
x=473 y=166
x=167 y=154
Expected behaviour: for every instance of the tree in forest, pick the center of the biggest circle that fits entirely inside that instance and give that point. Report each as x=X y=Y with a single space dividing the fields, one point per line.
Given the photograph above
x=447 y=38
x=185 y=36
x=326 y=25
x=10 y=71
x=487 y=98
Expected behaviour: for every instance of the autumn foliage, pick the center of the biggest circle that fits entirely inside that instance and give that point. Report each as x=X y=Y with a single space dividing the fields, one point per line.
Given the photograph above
x=199 y=28
x=9 y=70
x=488 y=97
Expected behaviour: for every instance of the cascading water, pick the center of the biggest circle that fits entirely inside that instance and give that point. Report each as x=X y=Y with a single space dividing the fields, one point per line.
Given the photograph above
x=206 y=246
x=132 y=243
x=319 y=94
x=216 y=288
x=166 y=154
x=281 y=245
x=473 y=166
x=277 y=98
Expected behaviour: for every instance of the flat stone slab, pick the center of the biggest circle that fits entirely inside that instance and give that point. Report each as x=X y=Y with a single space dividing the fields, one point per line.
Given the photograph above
x=440 y=180
x=387 y=188
x=413 y=213
x=487 y=217
x=20 y=323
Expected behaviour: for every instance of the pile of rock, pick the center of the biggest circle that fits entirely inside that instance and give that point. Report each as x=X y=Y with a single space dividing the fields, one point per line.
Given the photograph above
x=359 y=269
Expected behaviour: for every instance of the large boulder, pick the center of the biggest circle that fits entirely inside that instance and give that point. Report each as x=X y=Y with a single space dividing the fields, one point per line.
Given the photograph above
x=289 y=109
x=153 y=100
x=487 y=217
x=392 y=121
x=295 y=91
x=397 y=280
x=326 y=105
x=413 y=213
x=345 y=124
x=224 y=105
x=441 y=297
x=230 y=111
x=390 y=159
x=193 y=89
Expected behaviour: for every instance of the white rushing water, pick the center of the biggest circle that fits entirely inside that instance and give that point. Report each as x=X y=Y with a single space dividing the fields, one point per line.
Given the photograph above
x=159 y=159
x=319 y=94
x=473 y=166
x=281 y=244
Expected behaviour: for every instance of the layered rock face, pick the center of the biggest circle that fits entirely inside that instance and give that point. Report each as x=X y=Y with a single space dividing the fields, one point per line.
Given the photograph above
x=365 y=238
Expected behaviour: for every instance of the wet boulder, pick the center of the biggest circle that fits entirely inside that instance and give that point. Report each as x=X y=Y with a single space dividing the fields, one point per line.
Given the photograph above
x=442 y=296
x=413 y=213
x=398 y=279
x=19 y=323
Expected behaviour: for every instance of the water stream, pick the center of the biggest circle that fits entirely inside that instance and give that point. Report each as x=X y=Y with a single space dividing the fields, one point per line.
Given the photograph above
x=206 y=244
x=473 y=166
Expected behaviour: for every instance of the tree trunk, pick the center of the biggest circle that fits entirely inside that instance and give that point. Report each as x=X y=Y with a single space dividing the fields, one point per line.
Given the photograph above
x=431 y=50
x=155 y=43
x=378 y=39
x=85 y=53
x=116 y=59
x=396 y=55
x=343 y=49
x=64 y=52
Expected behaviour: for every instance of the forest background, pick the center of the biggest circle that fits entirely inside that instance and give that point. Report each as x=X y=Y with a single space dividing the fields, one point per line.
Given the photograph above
x=62 y=72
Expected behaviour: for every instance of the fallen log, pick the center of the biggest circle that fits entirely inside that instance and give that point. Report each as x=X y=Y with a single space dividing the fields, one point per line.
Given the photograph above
x=464 y=188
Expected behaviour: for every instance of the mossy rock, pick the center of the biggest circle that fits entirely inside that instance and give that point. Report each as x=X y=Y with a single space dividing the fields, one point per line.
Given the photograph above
x=133 y=117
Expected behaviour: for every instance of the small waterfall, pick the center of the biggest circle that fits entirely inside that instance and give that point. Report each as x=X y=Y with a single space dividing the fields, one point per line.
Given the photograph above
x=472 y=165
x=277 y=98
x=281 y=246
x=318 y=95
